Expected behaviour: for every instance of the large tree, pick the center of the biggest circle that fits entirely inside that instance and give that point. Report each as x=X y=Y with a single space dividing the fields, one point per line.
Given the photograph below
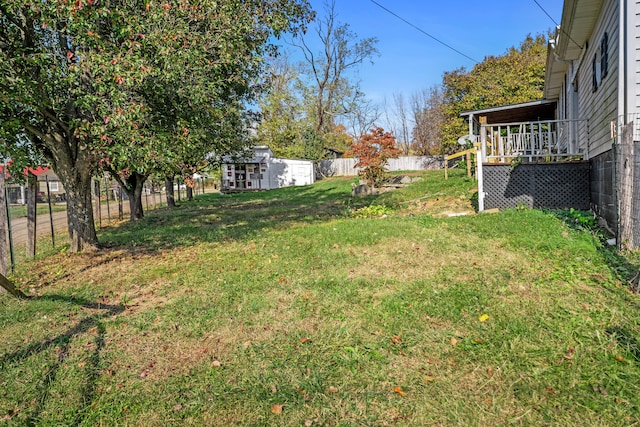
x=427 y=107
x=515 y=77
x=334 y=92
x=284 y=121
x=124 y=84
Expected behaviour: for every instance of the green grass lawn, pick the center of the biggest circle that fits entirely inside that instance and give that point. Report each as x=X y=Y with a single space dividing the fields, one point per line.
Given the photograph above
x=304 y=307
x=17 y=211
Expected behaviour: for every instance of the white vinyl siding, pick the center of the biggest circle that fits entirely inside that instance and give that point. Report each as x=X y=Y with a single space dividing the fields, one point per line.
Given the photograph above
x=599 y=106
x=634 y=52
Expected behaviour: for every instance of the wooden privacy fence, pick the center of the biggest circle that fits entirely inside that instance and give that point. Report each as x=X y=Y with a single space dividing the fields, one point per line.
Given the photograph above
x=346 y=166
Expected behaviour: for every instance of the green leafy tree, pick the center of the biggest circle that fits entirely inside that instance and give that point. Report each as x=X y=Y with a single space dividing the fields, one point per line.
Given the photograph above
x=372 y=151
x=515 y=77
x=129 y=85
x=284 y=122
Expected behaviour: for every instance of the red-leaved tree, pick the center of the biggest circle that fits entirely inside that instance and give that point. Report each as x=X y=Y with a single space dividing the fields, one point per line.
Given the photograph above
x=372 y=151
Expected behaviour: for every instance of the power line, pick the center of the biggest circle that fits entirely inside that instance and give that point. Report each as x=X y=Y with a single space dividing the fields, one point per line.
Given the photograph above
x=546 y=13
x=557 y=25
x=423 y=31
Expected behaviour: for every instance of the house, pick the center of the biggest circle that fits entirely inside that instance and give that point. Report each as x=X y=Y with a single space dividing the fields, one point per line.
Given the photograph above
x=262 y=171
x=581 y=156
x=45 y=177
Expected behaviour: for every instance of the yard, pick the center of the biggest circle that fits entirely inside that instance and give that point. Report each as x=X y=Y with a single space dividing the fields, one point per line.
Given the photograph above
x=304 y=307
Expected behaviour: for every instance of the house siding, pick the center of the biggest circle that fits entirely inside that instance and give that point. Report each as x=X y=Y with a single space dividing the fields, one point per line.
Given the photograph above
x=599 y=106
x=634 y=78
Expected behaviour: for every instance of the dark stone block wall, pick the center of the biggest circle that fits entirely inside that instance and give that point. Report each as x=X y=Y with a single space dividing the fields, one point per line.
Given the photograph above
x=548 y=185
x=603 y=200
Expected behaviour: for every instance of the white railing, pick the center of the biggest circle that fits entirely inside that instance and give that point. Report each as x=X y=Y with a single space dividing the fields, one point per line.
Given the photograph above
x=550 y=140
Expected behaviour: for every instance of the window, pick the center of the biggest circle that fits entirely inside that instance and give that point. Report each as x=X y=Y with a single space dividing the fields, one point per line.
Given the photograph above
x=594 y=72
x=600 y=63
x=604 y=55
x=53 y=186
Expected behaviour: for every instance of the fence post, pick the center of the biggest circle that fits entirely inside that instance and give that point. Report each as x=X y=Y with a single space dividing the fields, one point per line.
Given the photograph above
x=106 y=193
x=3 y=220
x=97 y=193
x=10 y=233
x=53 y=234
x=120 y=212
x=32 y=194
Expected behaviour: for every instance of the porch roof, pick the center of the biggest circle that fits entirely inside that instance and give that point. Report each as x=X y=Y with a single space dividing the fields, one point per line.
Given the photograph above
x=578 y=20
x=525 y=112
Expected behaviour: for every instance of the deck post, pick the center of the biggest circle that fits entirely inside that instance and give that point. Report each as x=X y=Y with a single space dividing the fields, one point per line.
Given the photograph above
x=479 y=161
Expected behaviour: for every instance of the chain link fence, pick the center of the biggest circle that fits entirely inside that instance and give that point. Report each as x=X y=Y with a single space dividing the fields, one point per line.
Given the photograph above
x=627 y=163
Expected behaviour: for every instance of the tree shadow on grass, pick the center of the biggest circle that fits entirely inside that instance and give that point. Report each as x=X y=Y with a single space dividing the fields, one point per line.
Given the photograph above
x=62 y=343
x=220 y=218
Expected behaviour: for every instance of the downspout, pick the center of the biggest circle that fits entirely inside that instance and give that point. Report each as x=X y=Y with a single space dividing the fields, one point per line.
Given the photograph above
x=622 y=85
x=622 y=110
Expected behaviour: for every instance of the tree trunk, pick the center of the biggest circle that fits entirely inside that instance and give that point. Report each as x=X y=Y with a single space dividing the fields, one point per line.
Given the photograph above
x=189 y=193
x=7 y=285
x=76 y=179
x=168 y=185
x=133 y=187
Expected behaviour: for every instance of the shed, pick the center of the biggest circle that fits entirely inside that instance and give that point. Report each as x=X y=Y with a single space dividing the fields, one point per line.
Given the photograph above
x=262 y=171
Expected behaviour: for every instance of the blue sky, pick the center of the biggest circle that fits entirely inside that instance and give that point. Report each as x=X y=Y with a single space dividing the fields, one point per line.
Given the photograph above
x=410 y=61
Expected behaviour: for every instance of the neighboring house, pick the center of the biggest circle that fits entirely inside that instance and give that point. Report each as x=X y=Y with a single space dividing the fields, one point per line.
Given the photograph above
x=45 y=176
x=263 y=171
x=592 y=85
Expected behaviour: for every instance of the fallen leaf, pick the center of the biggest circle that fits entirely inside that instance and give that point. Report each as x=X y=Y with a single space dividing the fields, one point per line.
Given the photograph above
x=203 y=350
x=216 y=363
x=304 y=340
x=308 y=423
x=428 y=378
x=620 y=359
x=332 y=389
x=82 y=364
x=276 y=409
x=177 y=407
x=569 y=354
x=454 y=341
x=483 y=318
x=399 y=391
x=396 y=340
x=274 y=389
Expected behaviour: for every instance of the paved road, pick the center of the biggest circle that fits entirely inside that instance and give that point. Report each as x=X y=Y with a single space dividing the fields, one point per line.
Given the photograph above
x=43 y=223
